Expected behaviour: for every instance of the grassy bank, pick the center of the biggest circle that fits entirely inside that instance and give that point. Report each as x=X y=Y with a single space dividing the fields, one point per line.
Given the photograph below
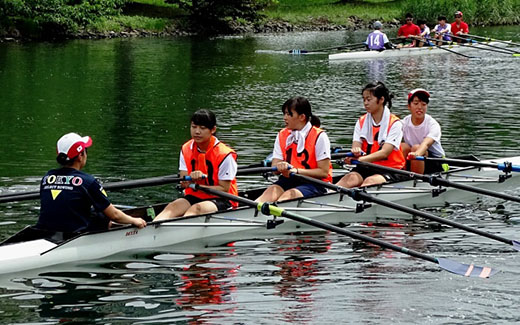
x=344 y=13
x=142 y=17
x=304 y=12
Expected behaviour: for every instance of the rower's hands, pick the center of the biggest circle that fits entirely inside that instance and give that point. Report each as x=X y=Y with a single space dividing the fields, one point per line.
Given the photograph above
x=356 y=152
x=139 y=223
x=195 y=175
x=285 y=168
x=411 y=155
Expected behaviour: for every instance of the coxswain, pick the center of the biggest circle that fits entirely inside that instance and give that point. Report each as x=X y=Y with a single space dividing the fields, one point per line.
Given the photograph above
x=68 y=195
x=377 y=40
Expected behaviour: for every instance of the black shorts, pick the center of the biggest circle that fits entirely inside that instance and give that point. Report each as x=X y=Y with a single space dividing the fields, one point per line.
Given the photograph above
x=366 y=171
x=307 y=189
x=222 y=204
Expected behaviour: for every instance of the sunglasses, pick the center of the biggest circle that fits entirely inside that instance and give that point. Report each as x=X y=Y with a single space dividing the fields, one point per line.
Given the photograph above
x=458 y=16
x=409 y=19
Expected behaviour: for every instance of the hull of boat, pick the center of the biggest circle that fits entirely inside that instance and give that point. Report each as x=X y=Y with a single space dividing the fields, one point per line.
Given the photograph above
x=196 y=232
x=411 y=51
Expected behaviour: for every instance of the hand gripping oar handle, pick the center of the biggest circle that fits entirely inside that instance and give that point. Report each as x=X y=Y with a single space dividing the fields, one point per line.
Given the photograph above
x=269 y=209
x=504 y=166
x=360 y=195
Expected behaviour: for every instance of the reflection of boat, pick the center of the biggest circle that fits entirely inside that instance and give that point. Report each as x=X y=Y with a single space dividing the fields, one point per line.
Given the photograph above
x=30 y=249
x=412 y=51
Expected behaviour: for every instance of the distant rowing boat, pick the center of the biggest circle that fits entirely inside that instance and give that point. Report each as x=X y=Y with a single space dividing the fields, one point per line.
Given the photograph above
x=27 y=250
x=412 y=51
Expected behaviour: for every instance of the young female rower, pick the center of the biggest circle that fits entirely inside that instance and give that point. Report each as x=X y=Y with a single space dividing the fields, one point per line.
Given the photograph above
x=301 y=148
x=421 y=134
x=67 y=194
x=209 y=163
x=377 y=134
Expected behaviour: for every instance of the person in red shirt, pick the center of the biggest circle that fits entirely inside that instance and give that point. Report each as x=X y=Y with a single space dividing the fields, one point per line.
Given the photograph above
x=409 y=29
x=459 y=28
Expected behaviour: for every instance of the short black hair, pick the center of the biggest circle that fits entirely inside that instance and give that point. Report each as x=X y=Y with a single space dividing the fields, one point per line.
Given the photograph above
x=422 y=97
x=204 y=117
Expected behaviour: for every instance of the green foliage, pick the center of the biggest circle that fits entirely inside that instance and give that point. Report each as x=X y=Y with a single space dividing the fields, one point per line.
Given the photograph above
x=58 y=17
x=218 y=15
x=481 y=12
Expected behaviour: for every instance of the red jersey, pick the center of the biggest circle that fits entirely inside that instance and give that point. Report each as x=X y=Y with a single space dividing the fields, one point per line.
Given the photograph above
x=406 y=30
x=463 y=28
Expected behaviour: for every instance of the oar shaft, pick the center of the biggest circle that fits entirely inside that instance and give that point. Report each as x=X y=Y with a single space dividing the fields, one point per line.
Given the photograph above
x=460 y=162
x=152 y=181
x=492 y=39
x=360 y=195
x=438 y=180
x=316 y=223
x=502 y=50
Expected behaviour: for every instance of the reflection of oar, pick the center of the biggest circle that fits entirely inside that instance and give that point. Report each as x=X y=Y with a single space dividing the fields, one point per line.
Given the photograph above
x=492 y=40
x=500 y=49
x=504 y=166
x=358 y=195
x=448 y=265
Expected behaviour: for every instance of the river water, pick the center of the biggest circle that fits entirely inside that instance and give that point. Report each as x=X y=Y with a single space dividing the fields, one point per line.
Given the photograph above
x=135 y=98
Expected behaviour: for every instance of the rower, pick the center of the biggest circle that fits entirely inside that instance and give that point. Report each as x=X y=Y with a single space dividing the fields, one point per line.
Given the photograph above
x=424 y=36
x=442 y=31
x=378 y=133
x=421 y=135
x=459 y=28
x=208 y=162
x=408 y=31
x=300 y=148
x=377 y=40
x=67 y=194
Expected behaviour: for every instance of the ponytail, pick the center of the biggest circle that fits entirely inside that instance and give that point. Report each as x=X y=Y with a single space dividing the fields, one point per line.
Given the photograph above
x=378 y=90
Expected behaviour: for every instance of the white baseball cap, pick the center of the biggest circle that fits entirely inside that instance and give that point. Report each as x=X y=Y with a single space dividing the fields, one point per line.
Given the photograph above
x=72 y=144
x=417 y=91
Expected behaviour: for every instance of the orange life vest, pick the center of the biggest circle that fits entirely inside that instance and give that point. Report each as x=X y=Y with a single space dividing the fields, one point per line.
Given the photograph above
x=307 y=158
x=395 y=159
x=208 y=163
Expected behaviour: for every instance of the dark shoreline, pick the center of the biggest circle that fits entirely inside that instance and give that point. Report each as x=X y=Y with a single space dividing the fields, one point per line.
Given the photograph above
x=13 y=35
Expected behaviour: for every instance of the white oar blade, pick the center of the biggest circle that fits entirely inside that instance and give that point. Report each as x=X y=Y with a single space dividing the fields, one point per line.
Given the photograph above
x=465 y=269
x=516 y=245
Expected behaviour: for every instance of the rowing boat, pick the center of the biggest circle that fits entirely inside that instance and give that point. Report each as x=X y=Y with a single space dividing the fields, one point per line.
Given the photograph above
x=412 y=51
x=28 y=250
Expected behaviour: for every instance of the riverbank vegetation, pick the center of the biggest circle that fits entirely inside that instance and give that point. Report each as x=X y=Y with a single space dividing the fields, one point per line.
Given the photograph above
x=108 y=18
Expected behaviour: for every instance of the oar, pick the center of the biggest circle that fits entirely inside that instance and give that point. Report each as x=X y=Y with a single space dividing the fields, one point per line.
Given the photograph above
x=433 y=42
x=492 y=40
x=504 y=166
x=437 y=180
x=152 y=181
x=269 y=209
x=260 y=170
x=337 y=47
x=502 y=50
x=360 y=195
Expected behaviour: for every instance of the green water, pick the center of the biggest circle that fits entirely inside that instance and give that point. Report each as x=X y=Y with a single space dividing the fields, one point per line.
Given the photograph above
x=134 y=97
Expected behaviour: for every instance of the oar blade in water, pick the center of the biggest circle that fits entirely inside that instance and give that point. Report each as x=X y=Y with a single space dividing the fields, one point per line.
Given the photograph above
x=516 y=245
x=465 y=269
